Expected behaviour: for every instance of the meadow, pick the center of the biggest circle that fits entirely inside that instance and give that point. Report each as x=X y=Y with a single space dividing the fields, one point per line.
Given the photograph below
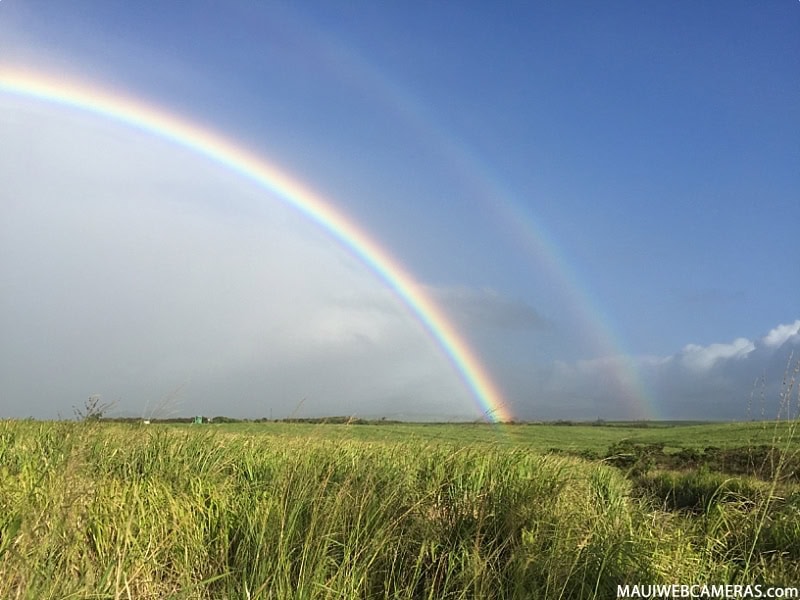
x=390 y=511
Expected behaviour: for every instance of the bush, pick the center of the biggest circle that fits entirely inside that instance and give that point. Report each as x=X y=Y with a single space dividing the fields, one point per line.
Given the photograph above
x=699 y=489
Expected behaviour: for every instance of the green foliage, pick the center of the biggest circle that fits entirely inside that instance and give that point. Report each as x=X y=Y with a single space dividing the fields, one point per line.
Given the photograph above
x=699 y=489
x=632 y=457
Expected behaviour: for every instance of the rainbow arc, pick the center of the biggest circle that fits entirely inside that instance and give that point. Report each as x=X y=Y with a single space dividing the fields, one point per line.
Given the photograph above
x=226 y=152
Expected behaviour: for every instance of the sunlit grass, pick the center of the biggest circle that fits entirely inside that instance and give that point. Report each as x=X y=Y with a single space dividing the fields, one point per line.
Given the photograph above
x=534 y=436
x=123 y=511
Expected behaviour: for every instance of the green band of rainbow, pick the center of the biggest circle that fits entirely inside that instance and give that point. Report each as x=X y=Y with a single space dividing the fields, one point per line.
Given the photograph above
x=225 y=152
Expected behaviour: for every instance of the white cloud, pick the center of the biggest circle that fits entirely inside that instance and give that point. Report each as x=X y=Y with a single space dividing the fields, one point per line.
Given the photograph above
x=780 y=334
x=702 y=358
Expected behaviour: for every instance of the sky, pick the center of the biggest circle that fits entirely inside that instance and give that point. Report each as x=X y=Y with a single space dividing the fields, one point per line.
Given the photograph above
x=601 y=199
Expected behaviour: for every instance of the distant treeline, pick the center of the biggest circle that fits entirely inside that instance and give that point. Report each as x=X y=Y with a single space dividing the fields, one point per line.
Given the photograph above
x=349 y=420
x=336 y=420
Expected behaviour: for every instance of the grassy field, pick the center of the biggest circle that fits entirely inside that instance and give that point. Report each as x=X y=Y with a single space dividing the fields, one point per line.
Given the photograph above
x=291 y=510
x=535 y=436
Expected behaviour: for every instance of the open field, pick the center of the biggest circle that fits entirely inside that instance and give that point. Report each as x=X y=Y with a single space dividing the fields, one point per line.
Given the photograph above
x=535 y=436
x=288 y=510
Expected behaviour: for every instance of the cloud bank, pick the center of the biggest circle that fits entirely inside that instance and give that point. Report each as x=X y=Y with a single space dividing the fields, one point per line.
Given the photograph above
x=742 y=379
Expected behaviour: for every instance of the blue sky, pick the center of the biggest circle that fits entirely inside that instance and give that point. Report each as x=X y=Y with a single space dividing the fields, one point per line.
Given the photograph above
x=603 y=197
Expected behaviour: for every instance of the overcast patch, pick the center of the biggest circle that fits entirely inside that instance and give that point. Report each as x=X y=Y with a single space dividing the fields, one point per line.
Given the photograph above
x=131 y=269
x=486 y=308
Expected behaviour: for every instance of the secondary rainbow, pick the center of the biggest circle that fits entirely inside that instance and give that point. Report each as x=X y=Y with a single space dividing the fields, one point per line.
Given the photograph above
x=522 y=226
x=219 y=149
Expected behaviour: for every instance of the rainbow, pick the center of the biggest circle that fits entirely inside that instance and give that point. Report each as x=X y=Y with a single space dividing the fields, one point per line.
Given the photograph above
x=225 y=152
x=530 y=235
x=522 y=226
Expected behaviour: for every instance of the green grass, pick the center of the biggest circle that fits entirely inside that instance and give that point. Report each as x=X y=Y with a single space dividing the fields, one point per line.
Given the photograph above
x=298 y=511
x=537 y=437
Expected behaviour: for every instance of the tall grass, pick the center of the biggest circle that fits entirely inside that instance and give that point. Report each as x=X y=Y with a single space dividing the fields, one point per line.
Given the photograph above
x=91 y=510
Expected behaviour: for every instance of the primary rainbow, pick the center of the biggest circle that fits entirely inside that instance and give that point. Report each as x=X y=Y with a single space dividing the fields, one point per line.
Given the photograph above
x=217 y=148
